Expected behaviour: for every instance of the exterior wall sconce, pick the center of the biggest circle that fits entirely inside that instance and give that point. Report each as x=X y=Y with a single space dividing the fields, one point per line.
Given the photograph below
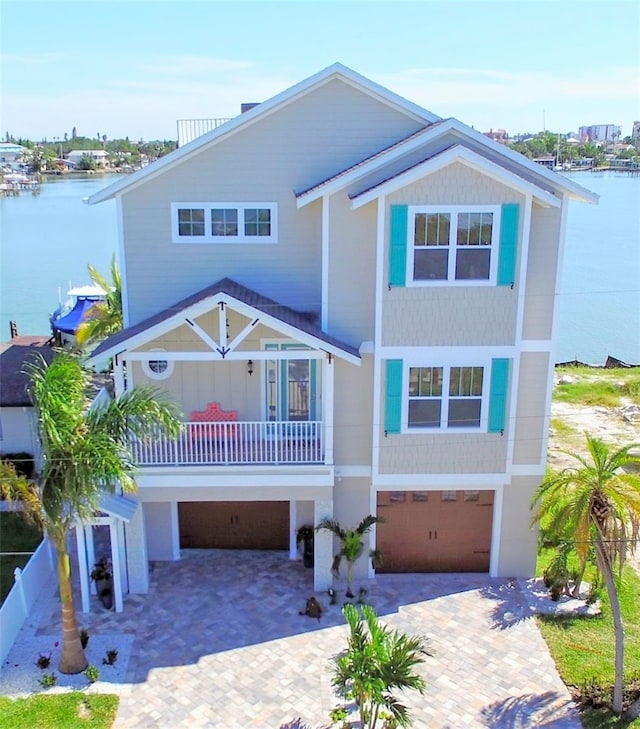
x=250 y=367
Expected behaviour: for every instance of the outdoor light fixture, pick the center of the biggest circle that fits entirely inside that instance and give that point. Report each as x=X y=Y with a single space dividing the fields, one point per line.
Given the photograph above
x=250 y=367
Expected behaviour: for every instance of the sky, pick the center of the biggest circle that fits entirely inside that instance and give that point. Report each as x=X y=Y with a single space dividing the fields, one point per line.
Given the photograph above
x=133 y=68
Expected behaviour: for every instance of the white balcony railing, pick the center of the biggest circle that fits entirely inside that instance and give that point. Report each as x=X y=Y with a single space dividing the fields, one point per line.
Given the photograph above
x=233 y=443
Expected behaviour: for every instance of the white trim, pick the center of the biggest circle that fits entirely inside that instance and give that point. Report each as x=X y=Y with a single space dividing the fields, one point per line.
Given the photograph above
x=208 y=304
x=448 y=353
x=444 y=159
x=328 y=400
x=529 y=469
x=240 y=355
x=324 y=303
x=377 y=422
x=363 y=471
x=207 y=238
x=361 y=170
x=496 y=531
x=151 y=373
x=122 y=263
x=175 y=531
x=453 y=211
x=279 y=101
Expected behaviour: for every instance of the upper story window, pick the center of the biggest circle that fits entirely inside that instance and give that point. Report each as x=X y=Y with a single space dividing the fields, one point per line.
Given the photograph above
x=445 y=397
x=224 y=222
x=453 y=243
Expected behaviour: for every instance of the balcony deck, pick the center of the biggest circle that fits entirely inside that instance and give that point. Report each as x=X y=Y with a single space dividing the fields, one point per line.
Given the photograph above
x=236 y=443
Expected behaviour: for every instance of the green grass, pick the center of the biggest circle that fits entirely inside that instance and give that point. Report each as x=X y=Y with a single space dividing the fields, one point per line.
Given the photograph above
x=562 y=428
x=583 y=648
x=604 y=719
x=59 y=711
x=601 y=387
x=15 y=536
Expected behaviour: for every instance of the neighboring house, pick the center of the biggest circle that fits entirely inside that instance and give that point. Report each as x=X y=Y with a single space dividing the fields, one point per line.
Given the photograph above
x=354 y=301
x=11 y=155
x=17 y=424
x=99 y=156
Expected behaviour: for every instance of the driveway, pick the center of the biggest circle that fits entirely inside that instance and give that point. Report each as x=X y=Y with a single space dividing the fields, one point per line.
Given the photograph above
x=218 y=642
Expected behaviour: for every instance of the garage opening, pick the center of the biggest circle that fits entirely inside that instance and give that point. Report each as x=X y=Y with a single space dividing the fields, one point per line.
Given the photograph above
x=435 y=531
x=234 y=524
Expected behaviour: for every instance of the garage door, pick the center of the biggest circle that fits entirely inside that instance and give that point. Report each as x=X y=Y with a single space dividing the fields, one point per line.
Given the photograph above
x=234 y=524
x=435 y=531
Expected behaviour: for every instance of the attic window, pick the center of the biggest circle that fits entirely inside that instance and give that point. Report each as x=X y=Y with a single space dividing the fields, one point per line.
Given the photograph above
x=158 y=369
x=224 y=222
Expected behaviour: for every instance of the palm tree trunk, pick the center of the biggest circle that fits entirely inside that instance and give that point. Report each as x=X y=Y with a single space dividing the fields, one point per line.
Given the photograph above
x=605 y=567
x=73 y=659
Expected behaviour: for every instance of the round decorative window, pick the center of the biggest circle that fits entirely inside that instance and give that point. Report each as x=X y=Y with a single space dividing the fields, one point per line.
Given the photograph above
x=158 y=369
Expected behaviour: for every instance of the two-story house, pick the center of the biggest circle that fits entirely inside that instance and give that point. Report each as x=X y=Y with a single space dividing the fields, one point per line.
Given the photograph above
x=354 y=301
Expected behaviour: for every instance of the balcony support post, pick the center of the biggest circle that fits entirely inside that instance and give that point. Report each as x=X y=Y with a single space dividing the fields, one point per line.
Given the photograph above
x=323 y=546
x=328 y=367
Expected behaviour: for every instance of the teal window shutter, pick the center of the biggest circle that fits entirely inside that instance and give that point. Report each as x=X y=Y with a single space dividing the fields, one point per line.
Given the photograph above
x=393 y=404
x=508 y=244
x=498 y=395
x=398 y=245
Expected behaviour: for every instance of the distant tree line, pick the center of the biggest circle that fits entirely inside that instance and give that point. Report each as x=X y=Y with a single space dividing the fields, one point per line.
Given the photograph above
x=545 y=143
x=121 y=152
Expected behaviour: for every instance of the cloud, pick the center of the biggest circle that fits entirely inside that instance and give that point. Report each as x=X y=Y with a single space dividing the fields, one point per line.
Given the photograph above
x=190 y=65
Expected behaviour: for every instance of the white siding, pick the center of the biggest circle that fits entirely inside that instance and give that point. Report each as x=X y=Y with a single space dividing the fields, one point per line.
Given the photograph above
x=534 y=402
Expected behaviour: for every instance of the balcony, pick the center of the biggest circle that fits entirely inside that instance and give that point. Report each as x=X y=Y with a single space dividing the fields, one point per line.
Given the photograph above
x=237 y=444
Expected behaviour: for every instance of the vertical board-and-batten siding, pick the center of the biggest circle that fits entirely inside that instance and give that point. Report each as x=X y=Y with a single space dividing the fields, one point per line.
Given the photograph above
x=440 y=315
x=294 y=148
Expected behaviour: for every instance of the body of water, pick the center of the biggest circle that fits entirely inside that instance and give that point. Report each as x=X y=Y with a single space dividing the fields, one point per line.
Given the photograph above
x=49 y=239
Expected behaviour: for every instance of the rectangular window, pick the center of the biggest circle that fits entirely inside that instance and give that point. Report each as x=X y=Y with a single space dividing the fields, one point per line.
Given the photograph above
x=224 y=222
x=446 y=397
x=454 y=243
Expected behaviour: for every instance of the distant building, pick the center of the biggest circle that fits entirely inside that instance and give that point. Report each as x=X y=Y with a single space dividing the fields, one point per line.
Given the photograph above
x=500 y=135
x=99 y=156
x=10 y=153
x=600 y=133
x=635 y=133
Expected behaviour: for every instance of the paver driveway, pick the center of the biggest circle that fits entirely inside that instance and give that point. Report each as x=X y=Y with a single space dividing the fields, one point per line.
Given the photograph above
x=219 y=642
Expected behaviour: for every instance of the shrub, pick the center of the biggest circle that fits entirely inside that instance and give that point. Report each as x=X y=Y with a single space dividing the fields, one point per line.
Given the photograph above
x=92 y=673
x=47 y=680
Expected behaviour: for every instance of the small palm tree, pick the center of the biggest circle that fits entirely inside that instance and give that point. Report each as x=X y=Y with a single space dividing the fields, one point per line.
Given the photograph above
x=104 y=318
x=85 y=452
x=351 y=545
x=377 y=661
x=598 y=504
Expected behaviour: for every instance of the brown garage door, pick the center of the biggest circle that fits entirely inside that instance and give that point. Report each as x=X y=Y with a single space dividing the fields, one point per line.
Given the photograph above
x=234 y=524
x=435 y=531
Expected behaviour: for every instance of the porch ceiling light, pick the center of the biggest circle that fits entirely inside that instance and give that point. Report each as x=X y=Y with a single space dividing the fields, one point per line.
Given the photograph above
x=250 y=367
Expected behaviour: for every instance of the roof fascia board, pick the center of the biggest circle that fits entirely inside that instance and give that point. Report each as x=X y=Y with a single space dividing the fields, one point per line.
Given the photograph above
x=444 y=159
x=263 y=109
x=577 y=192
x=366 y=168
x=208 y=304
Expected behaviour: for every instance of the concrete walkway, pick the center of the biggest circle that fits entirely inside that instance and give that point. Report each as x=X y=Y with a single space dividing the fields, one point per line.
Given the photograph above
x=218 y=642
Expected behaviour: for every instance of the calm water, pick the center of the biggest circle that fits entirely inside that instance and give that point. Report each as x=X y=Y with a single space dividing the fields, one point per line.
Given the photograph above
x=47 y=242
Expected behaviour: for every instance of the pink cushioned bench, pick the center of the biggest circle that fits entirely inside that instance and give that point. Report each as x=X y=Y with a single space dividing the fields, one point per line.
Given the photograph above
x=211 y=415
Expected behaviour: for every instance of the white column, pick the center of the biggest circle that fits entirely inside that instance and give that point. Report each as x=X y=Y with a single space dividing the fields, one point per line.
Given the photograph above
x=90 y=553
x=122 y=554
x=115 y=563
x=328 y=366
x=118 y=375
x=293 y=526
x=175 y=532
x=137 y=559
x=323 y=546
x=83 y=567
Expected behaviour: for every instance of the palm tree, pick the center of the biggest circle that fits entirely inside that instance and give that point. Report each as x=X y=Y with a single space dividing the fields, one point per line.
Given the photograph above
x=351 y=545
x=376 y=661
x=105 y=317
x=85 y=452
x=598 y=503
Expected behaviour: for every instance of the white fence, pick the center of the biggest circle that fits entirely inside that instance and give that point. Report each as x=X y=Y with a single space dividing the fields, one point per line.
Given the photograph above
x=27 y=587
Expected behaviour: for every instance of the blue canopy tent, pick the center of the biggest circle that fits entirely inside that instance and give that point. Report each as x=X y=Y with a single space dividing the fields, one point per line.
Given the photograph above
x=70 y=322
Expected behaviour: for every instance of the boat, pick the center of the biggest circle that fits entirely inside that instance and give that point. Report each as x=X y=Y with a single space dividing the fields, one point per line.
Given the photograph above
x=66 y=319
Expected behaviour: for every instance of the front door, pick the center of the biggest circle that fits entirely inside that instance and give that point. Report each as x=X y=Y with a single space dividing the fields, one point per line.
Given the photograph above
x=290 y=386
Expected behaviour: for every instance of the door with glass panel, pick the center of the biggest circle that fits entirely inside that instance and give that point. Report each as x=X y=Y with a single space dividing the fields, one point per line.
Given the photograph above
x=291 y=386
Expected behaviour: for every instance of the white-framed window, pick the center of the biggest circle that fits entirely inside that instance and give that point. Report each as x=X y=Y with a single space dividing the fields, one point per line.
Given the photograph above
x=224 y=222
x=158 y=369
x=451 y=244
x=447 y=397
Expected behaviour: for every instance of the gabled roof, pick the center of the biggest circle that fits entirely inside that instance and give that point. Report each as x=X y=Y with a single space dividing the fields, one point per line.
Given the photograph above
x=122 y=507
x=446 y=132
x=271 y=313
x=14 y=354
x=438 y=161
x=335 y=71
